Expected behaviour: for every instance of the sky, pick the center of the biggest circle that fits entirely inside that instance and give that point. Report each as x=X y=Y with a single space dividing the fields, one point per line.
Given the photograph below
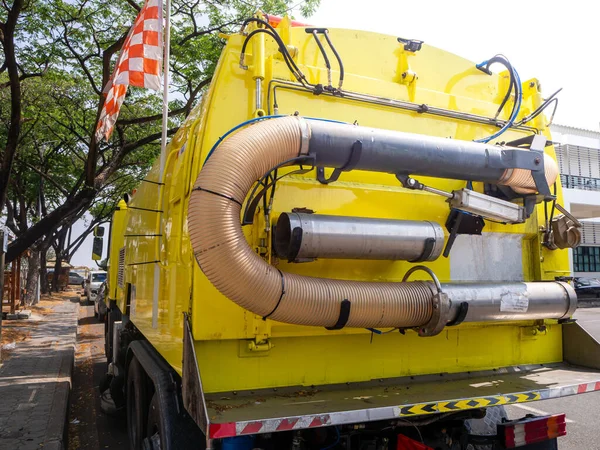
x=557 y=42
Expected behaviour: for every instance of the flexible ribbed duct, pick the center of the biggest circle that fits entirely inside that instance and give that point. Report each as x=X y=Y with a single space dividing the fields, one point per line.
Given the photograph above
x=244 y=277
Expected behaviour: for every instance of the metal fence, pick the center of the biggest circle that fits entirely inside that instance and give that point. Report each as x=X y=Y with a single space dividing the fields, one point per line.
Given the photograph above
x=577 y=182
x=579 y=166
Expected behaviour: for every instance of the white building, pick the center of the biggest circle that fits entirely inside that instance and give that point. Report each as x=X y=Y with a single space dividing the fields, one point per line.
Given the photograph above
x=578 y=154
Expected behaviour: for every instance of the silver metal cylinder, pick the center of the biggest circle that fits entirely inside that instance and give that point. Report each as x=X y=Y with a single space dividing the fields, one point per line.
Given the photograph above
x=511 y=301
x=300 y=237
x=258 y=93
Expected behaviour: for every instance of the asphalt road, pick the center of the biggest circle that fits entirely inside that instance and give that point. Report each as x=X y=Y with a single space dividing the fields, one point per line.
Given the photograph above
x=90 y=429
x=583 y=412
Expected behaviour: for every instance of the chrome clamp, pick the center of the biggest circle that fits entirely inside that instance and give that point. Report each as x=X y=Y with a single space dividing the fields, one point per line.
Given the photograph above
x=440 y=304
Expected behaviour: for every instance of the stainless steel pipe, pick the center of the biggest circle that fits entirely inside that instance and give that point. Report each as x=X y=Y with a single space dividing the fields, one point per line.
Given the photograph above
x=511 y=301
x=407 y=153
x=301 y=236
x=240 y=274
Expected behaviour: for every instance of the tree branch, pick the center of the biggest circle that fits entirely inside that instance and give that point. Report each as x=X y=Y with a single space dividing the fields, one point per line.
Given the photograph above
x=53 y=182
x=184 y=109
x=21 y=78
x=197 y=33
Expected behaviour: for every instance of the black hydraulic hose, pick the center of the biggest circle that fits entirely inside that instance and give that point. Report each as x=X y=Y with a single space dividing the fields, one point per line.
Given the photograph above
x=260 y=21
x=337 y=56
x=512 y=83
x=541 y=108
x=284 y=51
x=322 y=49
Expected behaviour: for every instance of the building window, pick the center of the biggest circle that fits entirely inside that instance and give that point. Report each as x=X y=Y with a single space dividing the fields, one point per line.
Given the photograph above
x=586 y=259
x=579 y=166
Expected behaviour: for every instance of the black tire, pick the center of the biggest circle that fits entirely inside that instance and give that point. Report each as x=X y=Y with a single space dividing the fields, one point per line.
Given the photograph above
x=168 y=430
x=155 y=432
x=101 y=315
x=137 y=403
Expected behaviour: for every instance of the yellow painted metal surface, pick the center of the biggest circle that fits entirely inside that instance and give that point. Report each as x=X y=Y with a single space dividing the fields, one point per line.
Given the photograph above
x=236 y=349
x=117 y=238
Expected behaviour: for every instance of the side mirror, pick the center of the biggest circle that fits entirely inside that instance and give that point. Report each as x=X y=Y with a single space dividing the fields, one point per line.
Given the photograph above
x=97 y=248
x=98 y=243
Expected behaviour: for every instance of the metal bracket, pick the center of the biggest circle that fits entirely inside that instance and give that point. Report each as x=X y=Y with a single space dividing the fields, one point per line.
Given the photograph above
x=526 y=142
x=353 y=159
x=192 y=392
x=440 y=304
x=565 y=231
x=532 y=159
x=411 y=45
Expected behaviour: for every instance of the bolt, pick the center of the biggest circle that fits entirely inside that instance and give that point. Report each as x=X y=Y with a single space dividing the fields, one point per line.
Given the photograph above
x=532 y=84
x=404 y=74
x=537 y=161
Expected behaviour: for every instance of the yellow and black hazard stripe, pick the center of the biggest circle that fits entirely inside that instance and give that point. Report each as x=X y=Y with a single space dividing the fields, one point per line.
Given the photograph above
x=466 y=403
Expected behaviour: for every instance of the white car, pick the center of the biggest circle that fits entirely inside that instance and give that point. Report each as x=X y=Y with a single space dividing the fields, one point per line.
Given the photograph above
x=92 y=284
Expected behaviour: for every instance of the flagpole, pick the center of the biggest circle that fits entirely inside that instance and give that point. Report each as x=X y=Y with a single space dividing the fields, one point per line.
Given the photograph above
x=163 y=157
x=165 y=112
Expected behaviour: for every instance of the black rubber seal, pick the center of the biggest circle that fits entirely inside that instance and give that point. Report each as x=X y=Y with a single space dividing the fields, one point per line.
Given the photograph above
x=427 y=250
x=344 y=316
x=295 y=243
x=463 y=309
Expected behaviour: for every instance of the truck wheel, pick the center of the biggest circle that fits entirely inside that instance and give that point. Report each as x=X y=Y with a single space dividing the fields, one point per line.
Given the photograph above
x=101 y=313
x=154 y=431
x=168 y=430
x=137 y=404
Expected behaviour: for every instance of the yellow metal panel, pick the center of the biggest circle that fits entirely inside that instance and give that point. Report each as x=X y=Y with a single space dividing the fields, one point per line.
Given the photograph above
x=340 y=358
x=374 y=65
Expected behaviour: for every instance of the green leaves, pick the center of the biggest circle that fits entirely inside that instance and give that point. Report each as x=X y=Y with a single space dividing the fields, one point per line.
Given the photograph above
x=66 y=50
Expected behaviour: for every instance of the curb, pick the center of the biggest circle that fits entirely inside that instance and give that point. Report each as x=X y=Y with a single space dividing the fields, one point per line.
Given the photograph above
x=585 y=303
x=57 y=428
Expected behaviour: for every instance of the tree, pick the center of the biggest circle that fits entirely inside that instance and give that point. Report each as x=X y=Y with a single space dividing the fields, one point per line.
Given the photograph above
x=80 y=40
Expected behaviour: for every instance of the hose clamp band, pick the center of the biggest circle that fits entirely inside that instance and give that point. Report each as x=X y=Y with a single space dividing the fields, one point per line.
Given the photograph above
x=440 y=305
x=304 y=136
x=572 y=296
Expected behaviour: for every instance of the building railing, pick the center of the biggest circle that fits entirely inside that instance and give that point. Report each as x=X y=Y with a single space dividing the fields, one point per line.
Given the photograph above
x=577 y=182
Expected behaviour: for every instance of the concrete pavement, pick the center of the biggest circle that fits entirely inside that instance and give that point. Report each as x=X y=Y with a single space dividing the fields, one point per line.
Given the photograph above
x=35 y=378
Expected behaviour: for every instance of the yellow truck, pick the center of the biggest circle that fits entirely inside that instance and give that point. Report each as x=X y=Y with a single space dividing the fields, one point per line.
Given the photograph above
x=354 y=241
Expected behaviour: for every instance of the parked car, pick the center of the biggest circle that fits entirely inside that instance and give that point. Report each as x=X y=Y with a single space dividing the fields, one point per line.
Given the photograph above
x=75 y=278
x=63 y=278
x=587 y=287
x=99 y=303
x=92 y=284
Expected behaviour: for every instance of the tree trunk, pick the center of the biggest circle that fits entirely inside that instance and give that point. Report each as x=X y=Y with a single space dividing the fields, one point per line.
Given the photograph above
x=45 y=288
x=33 y=275
x=14 y=129
x=57 y=269
x=49 y=223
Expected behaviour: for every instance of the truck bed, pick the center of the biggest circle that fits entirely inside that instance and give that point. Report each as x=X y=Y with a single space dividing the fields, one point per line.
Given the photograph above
x=265 y=411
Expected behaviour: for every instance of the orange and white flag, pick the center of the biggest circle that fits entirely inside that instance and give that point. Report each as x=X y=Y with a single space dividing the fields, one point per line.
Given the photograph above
x=139 y=64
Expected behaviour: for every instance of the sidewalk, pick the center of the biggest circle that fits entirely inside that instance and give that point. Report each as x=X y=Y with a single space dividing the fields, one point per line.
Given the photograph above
x=35 y=376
